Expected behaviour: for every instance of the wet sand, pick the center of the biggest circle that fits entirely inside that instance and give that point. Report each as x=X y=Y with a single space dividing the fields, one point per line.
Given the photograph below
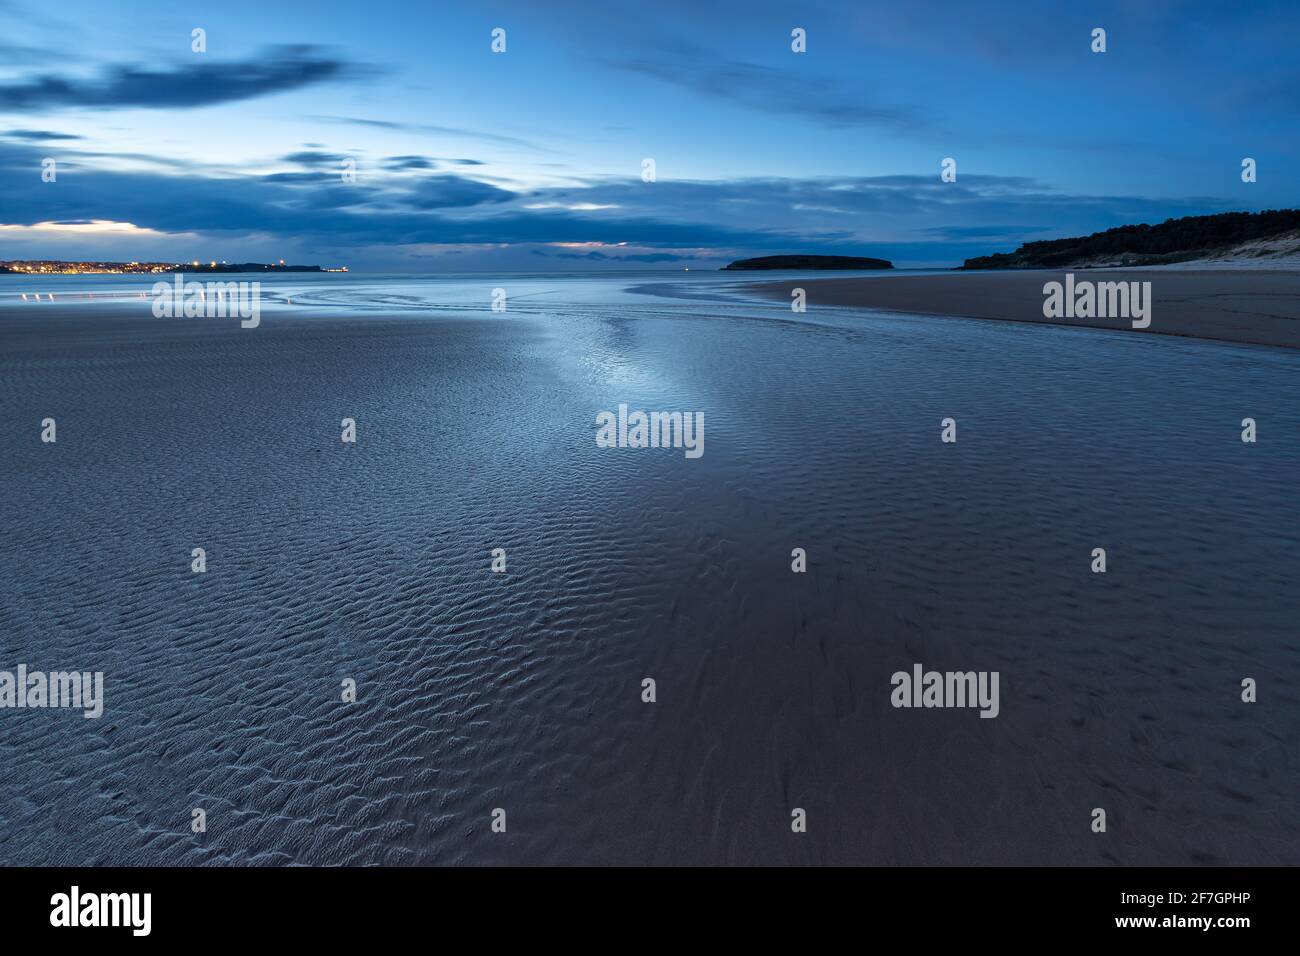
x=1249 y=307
x=476 y=690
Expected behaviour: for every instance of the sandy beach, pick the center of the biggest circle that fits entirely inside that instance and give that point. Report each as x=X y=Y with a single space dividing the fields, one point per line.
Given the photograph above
x=522 y=690
x=1230 y=305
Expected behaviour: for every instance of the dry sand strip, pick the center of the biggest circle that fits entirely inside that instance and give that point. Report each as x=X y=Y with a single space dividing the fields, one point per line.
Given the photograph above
x=1255 y=307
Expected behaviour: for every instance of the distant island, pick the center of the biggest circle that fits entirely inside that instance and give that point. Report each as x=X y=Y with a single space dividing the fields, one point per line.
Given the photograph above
x=1228 y=235
x=843 y=263
x=64 y=267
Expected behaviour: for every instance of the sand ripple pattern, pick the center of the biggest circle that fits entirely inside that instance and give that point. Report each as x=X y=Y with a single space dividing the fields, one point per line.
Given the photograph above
x=521 y=691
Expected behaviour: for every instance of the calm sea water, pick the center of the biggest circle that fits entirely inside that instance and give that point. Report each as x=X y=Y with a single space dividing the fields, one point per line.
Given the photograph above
x=522 y=690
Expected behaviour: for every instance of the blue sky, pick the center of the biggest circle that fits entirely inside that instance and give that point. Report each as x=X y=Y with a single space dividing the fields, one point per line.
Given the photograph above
x=469 y=160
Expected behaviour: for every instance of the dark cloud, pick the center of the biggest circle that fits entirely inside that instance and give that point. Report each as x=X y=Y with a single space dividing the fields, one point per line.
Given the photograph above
x=195 y=84
x=908 y=218
x=447 y=191
x=306 y=178
x=315 y=158
x=409 y=162
x=38 y=135
x=324 y=168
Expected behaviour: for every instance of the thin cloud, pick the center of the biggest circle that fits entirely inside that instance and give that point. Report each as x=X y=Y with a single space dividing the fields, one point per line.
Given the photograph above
x=437 y=130
x=767 y=89
x=913 y=218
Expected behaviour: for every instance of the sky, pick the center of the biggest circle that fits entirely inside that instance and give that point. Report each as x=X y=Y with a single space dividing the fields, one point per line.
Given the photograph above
x=389 y=136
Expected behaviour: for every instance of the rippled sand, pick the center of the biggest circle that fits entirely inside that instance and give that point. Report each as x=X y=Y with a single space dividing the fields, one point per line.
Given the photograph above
x=522 y=691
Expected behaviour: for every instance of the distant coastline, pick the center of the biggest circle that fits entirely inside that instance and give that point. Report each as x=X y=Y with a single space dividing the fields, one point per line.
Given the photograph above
x=54 y=267
x=1227 y=237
